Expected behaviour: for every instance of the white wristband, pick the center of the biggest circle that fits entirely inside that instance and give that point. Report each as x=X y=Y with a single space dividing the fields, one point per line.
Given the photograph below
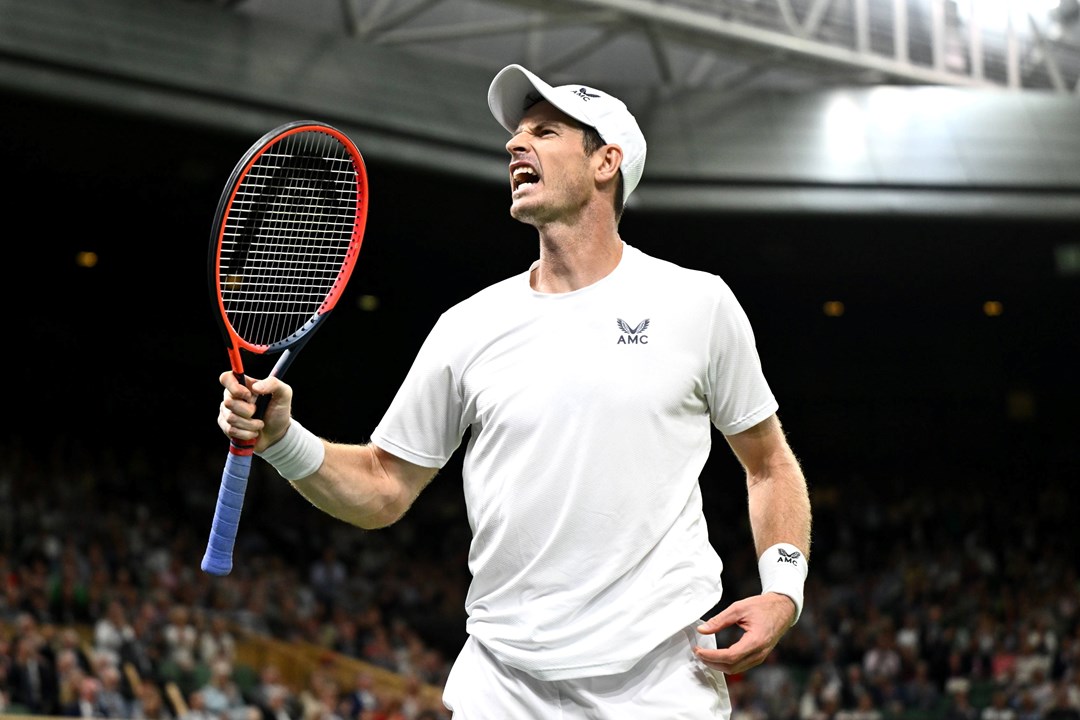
x=297 y=454
x=783 y=569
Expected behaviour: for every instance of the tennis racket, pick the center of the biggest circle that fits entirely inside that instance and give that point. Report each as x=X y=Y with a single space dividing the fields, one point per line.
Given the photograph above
x=285 y=239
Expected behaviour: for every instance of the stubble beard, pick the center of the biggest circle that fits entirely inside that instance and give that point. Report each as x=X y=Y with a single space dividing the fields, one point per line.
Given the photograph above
x=535 y=215
x=539 y=212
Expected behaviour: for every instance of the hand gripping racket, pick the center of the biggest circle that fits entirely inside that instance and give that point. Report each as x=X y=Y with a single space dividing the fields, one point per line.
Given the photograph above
x=285 y=239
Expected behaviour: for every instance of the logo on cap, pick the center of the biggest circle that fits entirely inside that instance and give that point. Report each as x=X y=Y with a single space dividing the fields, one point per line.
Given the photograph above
x=584 y=94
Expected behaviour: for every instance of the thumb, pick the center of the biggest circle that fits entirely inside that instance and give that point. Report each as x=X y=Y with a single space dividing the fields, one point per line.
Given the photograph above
x=723 y=619
x=266 y=386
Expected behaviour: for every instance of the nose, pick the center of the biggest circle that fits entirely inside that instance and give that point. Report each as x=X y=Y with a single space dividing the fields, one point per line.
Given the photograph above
x=516 y=143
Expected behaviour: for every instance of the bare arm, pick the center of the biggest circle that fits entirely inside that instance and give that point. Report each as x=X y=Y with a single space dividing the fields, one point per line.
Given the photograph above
x=779 y=506
x=359 y=484
x=779 y=503
x=364 y=485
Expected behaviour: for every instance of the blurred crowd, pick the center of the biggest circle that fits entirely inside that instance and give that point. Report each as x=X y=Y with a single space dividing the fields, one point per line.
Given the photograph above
x=952 y=598
x=104 y=607
x=955 y=599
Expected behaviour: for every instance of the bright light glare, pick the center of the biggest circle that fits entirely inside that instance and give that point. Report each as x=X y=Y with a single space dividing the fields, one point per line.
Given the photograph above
x=845 y=131
x=890 y=107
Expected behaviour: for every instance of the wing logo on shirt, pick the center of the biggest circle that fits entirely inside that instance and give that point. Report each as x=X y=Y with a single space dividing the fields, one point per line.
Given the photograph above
x=632 y=335
x=788 y=557
x=625 y=327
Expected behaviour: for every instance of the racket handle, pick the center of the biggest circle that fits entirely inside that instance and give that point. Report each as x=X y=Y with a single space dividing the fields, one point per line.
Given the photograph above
x=218 y=559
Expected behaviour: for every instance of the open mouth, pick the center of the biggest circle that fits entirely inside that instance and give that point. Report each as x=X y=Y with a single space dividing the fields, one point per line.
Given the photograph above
x=523 y=176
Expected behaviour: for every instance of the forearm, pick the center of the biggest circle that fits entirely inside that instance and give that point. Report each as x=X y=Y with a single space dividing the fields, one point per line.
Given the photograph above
x=353 y=486
x=779 y=504
x=359 y=484
x=780 y=521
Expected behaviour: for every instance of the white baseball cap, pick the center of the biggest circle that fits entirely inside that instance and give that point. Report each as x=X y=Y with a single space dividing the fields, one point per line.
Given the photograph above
x=514 y=90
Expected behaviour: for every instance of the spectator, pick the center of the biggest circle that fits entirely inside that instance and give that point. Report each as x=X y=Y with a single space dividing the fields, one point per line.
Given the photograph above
x=1026 y=707
x=812 y=697
x=1032 y=658
x=88 y=703
x=829 y=705
x=277 y=705
x=909 y=636
x=221 y=694
x=141 y=650
x=322 y=699
x=881 y=663
x=216 y=641
x=960 y=707
x=196 y=708
x=361 y=698
x=746 y=701
x=379 y=651
x=112 y=631
x=854 y=686
x=110 y=696
x=31 y=676
x=181 y=640
x=149 y=704
x=69 y=675
x=1003 y=662
x=272 y=690
x=998 y=709
x=68 y=640
x=328 y=577
x=863 y=710
x=346 y=637
x=776 y=686
x=1066 y=661
x=919 y=693
x=412 y=702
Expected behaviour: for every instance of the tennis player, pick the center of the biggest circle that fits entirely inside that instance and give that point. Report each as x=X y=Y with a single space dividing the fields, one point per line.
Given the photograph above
x=589 y=383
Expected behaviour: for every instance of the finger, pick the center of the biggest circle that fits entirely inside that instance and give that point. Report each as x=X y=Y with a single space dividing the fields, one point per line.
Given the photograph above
x=237 y=426
x=271 y=386
x=239 y=399
x=722 y=661
x=724 y=619
x=233 y=387
x=223 y=419
x=234 y=401
x=713 y=625
x=733 y=668
x=241 y=428
x=741 y=656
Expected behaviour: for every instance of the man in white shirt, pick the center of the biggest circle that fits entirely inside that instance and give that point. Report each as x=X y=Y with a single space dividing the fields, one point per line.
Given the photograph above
x=589 y=385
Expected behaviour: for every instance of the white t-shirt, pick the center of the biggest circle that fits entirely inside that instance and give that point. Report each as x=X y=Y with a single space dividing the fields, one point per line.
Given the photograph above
x=590 y=420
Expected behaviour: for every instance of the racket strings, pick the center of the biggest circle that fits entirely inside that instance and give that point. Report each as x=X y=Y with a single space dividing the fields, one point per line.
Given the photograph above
x=287 y=237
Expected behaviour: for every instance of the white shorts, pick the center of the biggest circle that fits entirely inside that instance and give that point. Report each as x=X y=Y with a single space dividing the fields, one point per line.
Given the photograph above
x=670 y=683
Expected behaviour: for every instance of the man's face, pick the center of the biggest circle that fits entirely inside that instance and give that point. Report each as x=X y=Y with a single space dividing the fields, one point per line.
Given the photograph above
x=550 y=174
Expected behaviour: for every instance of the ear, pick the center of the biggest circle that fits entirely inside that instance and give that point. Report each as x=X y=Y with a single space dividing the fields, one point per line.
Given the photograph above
x=609 y=159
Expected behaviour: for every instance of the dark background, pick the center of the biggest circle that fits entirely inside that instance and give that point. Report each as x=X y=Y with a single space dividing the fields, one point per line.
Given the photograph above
x=912 y=395
x=912 y=378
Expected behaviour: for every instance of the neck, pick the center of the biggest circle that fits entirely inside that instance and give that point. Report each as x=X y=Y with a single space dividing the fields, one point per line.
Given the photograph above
x=575 y=257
